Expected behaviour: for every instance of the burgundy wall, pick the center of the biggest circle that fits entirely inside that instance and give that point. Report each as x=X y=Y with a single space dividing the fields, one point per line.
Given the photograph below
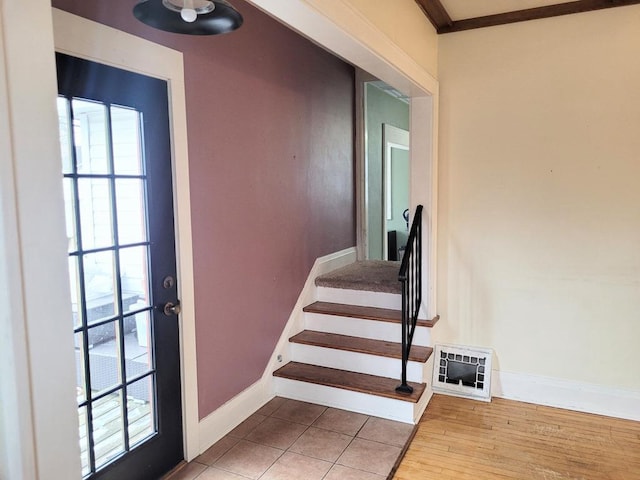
x=270 y=130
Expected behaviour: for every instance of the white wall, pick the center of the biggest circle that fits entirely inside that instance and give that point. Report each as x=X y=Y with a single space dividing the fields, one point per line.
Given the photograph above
x=539 y=207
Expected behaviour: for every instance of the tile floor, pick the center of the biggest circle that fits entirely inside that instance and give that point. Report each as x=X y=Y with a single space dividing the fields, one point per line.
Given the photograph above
x=287 y=439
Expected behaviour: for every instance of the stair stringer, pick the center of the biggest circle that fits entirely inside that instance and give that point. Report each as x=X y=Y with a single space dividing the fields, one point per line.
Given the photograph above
x=296 y=322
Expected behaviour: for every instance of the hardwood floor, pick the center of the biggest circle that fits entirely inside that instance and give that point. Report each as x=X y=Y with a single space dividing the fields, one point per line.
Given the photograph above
x=464 y=439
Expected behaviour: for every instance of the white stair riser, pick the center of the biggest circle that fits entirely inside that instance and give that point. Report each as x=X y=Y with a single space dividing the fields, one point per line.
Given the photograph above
x=357 y=362
x=428 y=391
x=359 y=297
x=382 y=407
x=357 y=327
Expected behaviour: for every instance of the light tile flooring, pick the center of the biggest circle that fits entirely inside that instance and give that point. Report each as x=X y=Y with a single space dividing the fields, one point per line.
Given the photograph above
x=288 y=439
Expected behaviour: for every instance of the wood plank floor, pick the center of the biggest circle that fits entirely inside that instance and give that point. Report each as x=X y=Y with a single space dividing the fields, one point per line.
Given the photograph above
x=464 y=439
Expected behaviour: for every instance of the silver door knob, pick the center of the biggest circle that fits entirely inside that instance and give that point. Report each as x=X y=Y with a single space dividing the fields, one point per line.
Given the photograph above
x=171 y=309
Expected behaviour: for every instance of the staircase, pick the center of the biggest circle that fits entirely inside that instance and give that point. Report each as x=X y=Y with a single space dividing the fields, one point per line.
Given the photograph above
x=348 y=354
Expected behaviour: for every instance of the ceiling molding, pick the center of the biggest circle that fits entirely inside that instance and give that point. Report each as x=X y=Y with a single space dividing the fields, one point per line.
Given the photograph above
x=440 y=19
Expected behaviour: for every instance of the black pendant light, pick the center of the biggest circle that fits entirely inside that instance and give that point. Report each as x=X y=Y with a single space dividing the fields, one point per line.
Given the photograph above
x=192 y=17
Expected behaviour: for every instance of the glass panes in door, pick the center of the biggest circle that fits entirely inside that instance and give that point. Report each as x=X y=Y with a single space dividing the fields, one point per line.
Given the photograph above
x=105 y=203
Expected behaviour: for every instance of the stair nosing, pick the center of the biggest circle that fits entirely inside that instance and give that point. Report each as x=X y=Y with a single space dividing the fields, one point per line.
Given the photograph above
x=365 y=313
x=419 y=388
x=426 y=351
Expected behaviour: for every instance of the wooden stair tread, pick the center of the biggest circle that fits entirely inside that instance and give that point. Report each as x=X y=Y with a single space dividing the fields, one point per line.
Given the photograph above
x=357 y=382
x=367 y=313
x=361 y=345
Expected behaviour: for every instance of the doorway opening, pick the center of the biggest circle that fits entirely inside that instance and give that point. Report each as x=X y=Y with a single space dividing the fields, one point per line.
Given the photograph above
x=385 y=205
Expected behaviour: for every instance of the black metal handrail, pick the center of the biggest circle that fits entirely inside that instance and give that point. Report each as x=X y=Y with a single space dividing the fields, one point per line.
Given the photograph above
x=410 y=276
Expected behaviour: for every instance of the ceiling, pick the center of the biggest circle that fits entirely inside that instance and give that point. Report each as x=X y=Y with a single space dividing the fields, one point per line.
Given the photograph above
x=457 y=15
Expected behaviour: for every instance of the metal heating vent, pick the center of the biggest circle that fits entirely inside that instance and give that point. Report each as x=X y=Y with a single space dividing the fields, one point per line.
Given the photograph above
x=462 y=371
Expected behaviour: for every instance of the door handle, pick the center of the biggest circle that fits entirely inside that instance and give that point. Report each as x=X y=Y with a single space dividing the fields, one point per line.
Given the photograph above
x=171 y=309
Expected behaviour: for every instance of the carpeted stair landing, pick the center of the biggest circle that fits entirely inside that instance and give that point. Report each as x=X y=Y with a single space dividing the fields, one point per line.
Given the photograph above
x=369 y=275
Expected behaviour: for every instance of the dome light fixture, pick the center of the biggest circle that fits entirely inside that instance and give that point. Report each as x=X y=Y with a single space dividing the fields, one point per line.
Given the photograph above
x=191 y=17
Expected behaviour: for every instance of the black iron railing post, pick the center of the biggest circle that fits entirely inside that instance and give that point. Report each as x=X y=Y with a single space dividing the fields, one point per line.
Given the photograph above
x=411 y=277
x=404 y=387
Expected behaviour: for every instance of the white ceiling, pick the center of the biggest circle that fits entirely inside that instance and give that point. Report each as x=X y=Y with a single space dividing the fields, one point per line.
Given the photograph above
x=460 y=9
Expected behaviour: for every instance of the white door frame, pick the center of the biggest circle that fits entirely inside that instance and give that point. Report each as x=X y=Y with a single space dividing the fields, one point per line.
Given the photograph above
x=361 y=168
x=83 y=38
x=392 y=137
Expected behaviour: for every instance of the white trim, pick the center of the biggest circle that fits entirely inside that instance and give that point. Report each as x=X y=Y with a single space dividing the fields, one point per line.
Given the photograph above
x=90 y=40
x=398 y=138
x=570 y=395
x=224 y=419
x=361 y=169
x=392 y=137
x=341 y=28
x=34 y=244
x=17 y=449
x=424 y=173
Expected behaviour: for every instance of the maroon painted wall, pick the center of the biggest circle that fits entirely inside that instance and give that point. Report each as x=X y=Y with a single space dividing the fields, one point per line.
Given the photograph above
x=270 y=130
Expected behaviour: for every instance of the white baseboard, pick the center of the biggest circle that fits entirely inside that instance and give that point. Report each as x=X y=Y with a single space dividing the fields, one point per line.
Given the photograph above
x=553 y=392
x=220 y=422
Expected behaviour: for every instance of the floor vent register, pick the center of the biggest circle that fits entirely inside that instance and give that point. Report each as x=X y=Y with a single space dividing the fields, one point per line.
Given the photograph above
x=463 y=371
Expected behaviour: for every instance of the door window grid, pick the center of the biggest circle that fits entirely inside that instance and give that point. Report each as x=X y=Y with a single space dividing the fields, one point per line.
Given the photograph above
x=127 y=396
